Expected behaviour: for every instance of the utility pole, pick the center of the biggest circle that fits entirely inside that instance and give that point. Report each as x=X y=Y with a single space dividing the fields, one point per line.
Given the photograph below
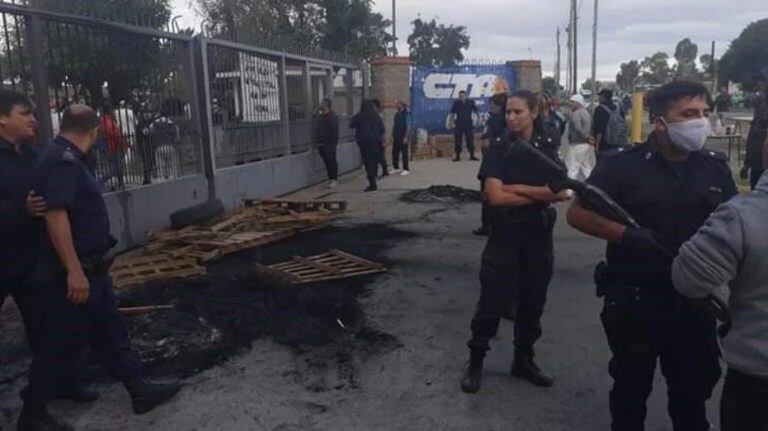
x=594 y=56
x=575 y=29
x=557 y=63
x=713 y=70
x=394 y=29
x=569 y=69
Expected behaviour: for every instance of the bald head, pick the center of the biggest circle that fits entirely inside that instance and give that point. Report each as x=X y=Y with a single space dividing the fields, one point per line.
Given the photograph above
x=79 y=119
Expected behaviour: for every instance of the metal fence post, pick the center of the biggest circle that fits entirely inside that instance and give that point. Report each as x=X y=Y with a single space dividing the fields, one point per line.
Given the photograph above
x=35 y=48
x=307 y=91
x=366 y=71
x=284 y=113
x=199 y=49
x=350 y=84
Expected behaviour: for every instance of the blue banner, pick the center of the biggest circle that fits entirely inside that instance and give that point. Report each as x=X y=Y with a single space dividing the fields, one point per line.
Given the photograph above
x=434 y=90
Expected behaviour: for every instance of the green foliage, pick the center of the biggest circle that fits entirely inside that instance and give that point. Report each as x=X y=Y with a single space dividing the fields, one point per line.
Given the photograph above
x=747 y=54
x=685 y=54
x=628 y=76
x=433 y=44
x=655 y=69
x=337 y=25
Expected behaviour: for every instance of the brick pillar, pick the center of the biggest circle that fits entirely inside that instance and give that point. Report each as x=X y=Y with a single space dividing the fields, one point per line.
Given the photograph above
x=528 y=74
x=391 y=82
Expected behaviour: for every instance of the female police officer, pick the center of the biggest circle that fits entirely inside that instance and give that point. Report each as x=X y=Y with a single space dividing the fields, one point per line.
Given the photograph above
x=517 y=260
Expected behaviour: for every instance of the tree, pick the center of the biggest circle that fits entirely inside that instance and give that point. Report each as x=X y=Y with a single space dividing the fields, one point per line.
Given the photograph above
x=550 y=86
x=628 y=76
x=655 y=69
x=587 y=85
x=685 y=54
x=336 y=25
x=84 y=58
x=747 y=54
x=436 y=45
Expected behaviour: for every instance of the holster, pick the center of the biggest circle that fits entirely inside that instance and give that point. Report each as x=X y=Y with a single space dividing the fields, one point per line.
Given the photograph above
x=602 y=279
x=96 y=265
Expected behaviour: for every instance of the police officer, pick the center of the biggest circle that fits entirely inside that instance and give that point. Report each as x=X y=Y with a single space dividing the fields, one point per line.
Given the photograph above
x=494 y=128
x=757 y=140
x=463 y=109
x=517 y=261
x=670 y=185
x=72 y=283
x=21 y=212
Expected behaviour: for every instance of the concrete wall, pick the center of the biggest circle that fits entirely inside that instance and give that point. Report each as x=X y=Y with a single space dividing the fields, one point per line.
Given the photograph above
x=135 y=212
x=279 y=176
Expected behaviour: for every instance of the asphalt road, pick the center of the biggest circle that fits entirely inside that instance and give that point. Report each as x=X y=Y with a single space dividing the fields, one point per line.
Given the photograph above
x=426 y=300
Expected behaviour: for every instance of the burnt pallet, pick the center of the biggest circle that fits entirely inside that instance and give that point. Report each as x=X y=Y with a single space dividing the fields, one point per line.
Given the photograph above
x=300 y=206
x=244 y=240
x=152 y=268
x=334 y=265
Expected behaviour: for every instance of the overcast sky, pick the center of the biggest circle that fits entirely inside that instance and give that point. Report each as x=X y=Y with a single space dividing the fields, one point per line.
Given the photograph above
x=628 y=29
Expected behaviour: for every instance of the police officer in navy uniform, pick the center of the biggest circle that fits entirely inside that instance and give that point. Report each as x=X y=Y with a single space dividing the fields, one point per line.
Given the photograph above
x=495 y=127
x=72 y=284
x=518 y=259
x=670 y=185
x=21 y=212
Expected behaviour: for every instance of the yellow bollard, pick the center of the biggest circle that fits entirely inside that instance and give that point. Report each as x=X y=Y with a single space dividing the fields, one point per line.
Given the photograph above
x=637 y=118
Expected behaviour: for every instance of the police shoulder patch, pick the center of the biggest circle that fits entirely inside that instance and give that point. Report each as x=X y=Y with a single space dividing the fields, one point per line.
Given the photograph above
x=68 y=156
x=715 y=155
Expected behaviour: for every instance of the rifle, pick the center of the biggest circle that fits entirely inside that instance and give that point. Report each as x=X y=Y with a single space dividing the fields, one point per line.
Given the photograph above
x=595 y=199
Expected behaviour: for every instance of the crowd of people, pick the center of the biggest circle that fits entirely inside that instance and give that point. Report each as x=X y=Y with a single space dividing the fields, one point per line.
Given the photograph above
x=690 y=235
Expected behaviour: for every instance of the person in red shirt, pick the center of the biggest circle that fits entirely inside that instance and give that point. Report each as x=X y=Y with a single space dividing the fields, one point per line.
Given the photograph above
x=115 y=143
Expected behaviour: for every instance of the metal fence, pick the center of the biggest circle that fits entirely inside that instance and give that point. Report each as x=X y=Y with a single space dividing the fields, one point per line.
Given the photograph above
x=172 y=104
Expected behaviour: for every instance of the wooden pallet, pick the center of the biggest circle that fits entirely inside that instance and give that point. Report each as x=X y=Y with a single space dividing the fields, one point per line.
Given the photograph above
x=240 y=241
x=151 y=268
x=299 y=206
x=334 y=265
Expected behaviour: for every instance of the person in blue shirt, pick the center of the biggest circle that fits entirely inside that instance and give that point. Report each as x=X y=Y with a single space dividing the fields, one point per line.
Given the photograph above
x=72 y=283
x=670 y=185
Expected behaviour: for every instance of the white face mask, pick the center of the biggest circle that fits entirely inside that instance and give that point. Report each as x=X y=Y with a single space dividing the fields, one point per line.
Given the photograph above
x=689 y=136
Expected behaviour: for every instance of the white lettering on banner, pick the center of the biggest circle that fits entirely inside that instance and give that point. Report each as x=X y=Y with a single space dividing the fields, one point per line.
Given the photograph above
x=260 y=92
x=448 y=86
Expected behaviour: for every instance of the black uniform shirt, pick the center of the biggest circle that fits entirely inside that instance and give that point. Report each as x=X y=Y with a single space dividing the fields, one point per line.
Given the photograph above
x=19 y=231
x=757 y=134
x=672 y=199
x=509 y=162
x=62 y=178
x=327 y=129
x=463 y=111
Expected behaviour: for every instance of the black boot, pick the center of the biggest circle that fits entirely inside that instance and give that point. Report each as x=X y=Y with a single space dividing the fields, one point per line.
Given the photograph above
x=37 y=419
x=524 y=368
x=79 y=394
x=456 y=158
x=145 y=396
x=473 y=158
x=473 y=375
x=481 y=231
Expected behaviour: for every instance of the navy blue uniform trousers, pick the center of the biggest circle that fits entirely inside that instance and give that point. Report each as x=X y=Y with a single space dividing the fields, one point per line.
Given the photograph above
x=67 y=328
x=516 y=269
x=682 y=339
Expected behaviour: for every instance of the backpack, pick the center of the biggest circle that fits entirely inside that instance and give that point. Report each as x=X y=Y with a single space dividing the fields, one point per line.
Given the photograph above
x=616 y=132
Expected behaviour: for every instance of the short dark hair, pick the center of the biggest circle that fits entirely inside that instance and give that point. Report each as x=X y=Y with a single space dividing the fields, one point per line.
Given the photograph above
x=499 y=99
x=462 y=92
x=79 y=118
x=327 y=101
x=663 y=97
x=606 y=93
x=9 y=99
